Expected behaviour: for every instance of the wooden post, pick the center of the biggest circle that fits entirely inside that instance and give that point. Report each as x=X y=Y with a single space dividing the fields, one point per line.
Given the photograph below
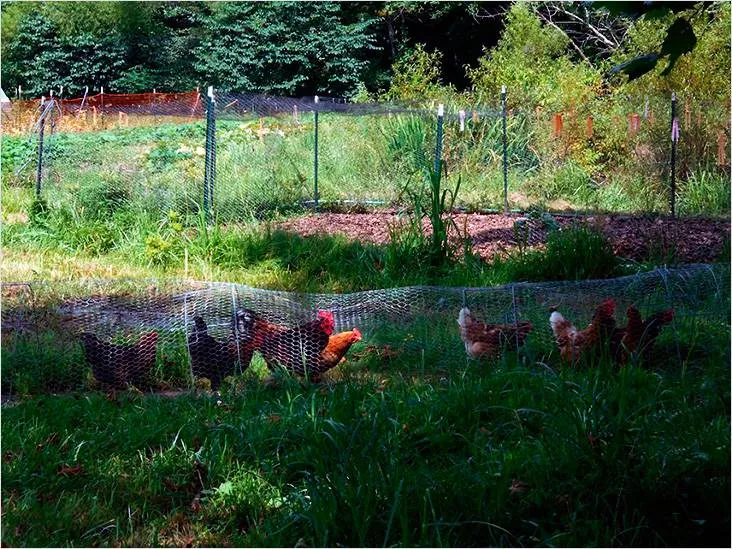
x=633 y=124
x=476 y=118
x=462 y=120
x=687 y=116
x=721 y=149
x=557 y=125
x=590 y=122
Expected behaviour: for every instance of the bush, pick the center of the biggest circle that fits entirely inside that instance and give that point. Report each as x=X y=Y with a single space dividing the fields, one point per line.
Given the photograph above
x=574 y=253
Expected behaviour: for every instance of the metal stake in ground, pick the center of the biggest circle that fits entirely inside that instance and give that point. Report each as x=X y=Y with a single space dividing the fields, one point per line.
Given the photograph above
x=505 y=151
x=41 y=128
x=209 y=170
x=674 y=140
x=438 y=145
x=315 y=159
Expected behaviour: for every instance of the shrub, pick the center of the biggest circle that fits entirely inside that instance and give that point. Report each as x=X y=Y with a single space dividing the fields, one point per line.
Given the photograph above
x=573 y=253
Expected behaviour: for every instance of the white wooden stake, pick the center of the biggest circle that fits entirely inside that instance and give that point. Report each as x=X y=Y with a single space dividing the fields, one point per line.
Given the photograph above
x=462 y=120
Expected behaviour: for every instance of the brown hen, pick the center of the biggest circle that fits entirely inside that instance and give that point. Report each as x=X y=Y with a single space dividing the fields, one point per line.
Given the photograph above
x=638 y=337
x=573 y=342
x=484 y=340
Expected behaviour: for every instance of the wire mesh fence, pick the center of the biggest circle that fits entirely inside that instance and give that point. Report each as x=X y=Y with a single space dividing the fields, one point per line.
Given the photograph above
x=243 y=155
x=162 y=335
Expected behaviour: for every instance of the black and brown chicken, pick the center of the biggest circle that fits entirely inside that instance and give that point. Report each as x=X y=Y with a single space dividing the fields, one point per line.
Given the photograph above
x=118 y=365
x=214 y=359
x=638 y=336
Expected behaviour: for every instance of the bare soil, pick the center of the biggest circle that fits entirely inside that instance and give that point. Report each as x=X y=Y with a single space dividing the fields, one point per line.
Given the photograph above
x=687 y=240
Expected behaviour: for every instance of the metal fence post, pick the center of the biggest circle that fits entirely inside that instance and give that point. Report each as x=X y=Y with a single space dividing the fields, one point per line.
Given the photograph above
x=674 y=141
x=438 y=145
x=505 y=151
x=41 y=129
x=210 y=161
x=316 y=196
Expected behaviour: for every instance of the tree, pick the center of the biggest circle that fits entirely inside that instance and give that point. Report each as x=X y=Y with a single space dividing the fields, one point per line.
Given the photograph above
x=40 y=60
x=284 y=48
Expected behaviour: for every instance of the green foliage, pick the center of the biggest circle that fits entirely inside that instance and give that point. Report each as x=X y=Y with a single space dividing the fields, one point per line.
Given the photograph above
x=704 y=193
x=532 y=61
x=679 y=37
x=285 y=48
x=416 y=76
x=702 y=73
x=575 y=253
x=396 y=453
x=40 y=59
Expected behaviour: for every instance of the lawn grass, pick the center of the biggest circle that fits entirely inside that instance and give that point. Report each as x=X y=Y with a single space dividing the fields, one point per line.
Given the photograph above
x=468 y=454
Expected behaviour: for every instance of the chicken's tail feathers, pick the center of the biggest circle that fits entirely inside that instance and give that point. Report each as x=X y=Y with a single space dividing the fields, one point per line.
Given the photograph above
x=607 y=307
x=463 y=317
x=557 y=322
x=200 y=324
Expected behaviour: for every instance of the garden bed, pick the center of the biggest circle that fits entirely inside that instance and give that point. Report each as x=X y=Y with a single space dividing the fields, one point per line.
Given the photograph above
x=685 y=240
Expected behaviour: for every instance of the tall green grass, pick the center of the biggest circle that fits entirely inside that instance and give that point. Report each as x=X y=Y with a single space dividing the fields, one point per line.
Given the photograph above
x=266 y=168
x=470 y=454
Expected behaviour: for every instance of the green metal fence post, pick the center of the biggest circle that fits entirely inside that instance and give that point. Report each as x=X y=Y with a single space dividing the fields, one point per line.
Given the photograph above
x=438 y=145
x=41 y=129
x=316 y=196
x=505 y=151
x=674 y=141
x=210 y=161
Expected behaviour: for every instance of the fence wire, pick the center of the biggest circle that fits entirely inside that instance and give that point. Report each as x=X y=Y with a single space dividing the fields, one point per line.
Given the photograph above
x=149 y=152
x=162 y=335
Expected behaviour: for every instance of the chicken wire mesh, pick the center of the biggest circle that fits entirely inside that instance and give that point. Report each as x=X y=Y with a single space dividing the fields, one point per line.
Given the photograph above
x=171 y=335
x=261 y=157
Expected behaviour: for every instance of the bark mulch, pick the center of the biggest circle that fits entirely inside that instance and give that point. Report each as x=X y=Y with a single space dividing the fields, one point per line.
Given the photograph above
x=690 y=239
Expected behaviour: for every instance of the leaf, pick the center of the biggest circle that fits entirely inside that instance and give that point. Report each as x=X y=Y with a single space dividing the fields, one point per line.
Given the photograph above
x=69 y=471
x=680 y=39
x=225 y=488
x=636 y=67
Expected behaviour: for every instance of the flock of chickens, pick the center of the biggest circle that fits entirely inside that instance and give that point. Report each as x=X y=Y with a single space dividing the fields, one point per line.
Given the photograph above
x=311 y=348
x=636 y=338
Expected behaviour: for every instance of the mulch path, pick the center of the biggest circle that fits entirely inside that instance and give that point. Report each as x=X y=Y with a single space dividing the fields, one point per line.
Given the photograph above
x=693 y=239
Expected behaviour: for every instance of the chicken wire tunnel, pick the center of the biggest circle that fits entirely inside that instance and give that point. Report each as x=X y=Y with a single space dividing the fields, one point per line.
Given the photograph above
x=167 y=335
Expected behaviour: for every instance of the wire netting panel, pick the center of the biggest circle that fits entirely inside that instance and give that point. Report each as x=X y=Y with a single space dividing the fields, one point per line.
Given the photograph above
x=111 y=334
x=151 y=151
